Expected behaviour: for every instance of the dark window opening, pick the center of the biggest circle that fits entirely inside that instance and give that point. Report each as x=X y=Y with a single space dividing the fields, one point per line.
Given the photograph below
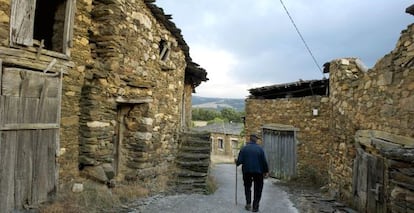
x=164 y=50
x=49 y=23
x=220 y=143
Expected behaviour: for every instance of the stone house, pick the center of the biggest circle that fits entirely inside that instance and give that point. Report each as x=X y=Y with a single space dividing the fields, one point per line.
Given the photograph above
x=90 y=88
x=225 y=138
x=300 y=108
x=365 y=128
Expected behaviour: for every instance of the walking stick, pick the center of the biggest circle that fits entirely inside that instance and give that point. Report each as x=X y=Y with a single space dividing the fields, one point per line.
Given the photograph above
x=235 y=194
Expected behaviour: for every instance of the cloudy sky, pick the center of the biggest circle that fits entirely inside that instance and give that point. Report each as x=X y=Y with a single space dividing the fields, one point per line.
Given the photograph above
x=246 y=44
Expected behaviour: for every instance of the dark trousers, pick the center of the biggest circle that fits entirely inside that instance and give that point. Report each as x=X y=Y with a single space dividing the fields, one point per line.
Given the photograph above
x=257 y=179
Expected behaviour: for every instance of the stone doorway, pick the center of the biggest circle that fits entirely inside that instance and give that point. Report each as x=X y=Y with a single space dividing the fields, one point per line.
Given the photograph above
x=133 y=133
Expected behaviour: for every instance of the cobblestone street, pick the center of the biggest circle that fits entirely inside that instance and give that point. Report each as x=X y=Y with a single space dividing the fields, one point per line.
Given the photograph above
x=277 y=197
x=274 y=199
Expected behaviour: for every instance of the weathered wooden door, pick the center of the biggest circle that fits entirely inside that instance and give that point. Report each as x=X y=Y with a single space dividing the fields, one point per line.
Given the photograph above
x=122 y=130
x=29 y=136
x=280 y=150
x=368 y=182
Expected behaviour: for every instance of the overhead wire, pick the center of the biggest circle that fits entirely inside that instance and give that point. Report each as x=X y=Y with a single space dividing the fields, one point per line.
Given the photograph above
x=301 y=37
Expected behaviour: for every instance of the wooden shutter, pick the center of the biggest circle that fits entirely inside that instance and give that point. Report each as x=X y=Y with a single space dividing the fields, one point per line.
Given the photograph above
x=22 y=21
x=68 y=31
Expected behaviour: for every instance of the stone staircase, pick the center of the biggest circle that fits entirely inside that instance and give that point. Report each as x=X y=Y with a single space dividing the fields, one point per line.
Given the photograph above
x=193 y=162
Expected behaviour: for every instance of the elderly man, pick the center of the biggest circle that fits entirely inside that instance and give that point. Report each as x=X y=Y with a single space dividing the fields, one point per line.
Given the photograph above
x=255 y=168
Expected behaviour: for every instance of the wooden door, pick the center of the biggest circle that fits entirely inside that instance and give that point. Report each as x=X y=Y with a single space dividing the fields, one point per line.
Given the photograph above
x=280 y=150
x=29 y=136
x=368 y=182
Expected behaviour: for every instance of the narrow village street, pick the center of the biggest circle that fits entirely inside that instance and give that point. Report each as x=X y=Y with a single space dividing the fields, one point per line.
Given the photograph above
x=274 y=199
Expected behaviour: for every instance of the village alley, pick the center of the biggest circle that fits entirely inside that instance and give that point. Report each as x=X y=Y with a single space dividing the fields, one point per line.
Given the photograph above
x=274 y=199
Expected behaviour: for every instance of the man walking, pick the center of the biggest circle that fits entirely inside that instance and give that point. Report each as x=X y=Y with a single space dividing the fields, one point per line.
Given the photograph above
x=254 y=167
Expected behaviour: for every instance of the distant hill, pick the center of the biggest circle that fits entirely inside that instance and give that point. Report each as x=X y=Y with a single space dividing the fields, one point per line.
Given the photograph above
x=217 y=103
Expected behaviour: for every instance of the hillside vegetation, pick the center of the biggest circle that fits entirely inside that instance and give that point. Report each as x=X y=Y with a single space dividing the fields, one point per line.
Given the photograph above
x=218 y=103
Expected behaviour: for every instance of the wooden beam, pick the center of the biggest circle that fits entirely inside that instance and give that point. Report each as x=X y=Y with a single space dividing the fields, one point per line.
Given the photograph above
x=34 y=64
x=58 y=117
x=29 y=126
x=68 y=26
x=279 y=93
x=31 y=53
x=280 y=127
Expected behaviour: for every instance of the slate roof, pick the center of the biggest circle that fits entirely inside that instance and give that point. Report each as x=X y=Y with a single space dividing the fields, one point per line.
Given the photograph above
x=300 y=88
x=410 y=10
x=194 y=74
x=223 y=128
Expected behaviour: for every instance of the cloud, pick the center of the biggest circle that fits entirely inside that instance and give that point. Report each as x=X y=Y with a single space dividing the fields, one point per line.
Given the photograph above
x=247 y=43
x=219 y=63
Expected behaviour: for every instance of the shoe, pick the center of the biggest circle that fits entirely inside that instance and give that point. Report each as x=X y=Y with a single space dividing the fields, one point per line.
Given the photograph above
x=255 y=210
x=248 y=207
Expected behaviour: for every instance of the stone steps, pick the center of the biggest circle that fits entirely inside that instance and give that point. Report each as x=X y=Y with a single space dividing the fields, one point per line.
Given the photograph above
x=193 y=156
x=189 y=173
x=195 y=149
x=203 y=163
x=193 y=163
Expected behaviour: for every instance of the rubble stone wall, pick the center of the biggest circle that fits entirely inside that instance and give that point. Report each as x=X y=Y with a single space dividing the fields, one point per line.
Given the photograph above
x=4 y=22
x=123 y=96
x=313 y=135
x=71 y=93
x=188 y=90
x=132 y=99
x=381 y=99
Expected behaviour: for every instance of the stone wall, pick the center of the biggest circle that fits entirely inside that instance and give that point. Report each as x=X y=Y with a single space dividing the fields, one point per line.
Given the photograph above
x=124 y=97
x=131 y=101
x=187 y=116
x=71 y=93
x=313 y=134
x=4 y=22
x=381 y=98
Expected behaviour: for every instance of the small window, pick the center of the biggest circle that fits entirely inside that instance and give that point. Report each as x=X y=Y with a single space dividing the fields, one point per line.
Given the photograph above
x=234 y=143
x=164 y=50
x=45 y=23
x=220 y=143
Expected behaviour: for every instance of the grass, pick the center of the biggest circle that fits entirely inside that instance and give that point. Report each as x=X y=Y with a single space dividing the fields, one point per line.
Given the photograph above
x=94 y=198
x=99 y=198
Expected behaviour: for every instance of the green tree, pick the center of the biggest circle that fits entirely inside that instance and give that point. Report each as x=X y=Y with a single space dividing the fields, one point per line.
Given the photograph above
x=231 y=115
x=200 y=114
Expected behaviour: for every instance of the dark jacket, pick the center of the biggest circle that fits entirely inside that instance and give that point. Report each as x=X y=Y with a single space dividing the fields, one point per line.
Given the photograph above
x=253 y=159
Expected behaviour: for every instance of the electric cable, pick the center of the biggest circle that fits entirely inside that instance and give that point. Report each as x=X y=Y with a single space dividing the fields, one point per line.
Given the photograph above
x=301 y=37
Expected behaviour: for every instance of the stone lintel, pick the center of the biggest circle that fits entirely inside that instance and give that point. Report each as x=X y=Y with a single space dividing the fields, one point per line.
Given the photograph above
x=140 y=100
x=280 y=127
